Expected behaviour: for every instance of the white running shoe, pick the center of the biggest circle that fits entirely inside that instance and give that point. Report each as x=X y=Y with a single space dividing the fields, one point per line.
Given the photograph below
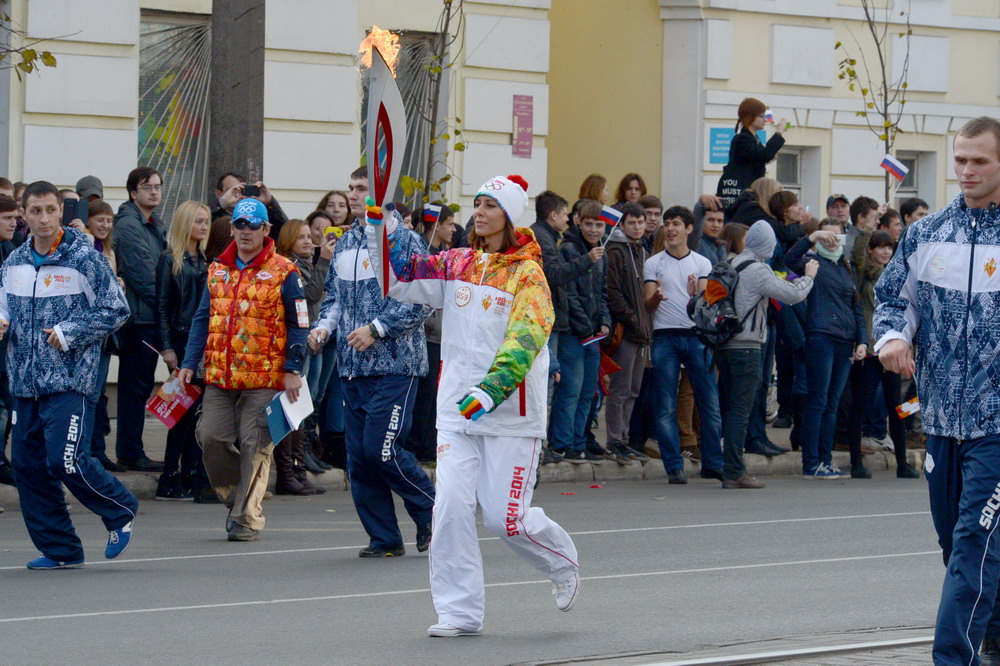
x=567 y=592
x=442 y=630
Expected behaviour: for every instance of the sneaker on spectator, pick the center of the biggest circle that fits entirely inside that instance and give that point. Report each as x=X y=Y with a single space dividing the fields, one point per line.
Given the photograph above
x=745 y=481
x=550 y=457
x=907 y=471
x=677 y=476
x=170 y=489
x=243 y=533
x=836 y=471
x=372 y=551
x=691 y=453
x=819 y=471
x=633 y=454
x=859 y=471
x=618 y=454
x=593 y=458
x=423 y=538
x=575 y=457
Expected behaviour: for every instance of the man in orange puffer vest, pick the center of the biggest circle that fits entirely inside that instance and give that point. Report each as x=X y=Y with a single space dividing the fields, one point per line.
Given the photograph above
x=251 y=329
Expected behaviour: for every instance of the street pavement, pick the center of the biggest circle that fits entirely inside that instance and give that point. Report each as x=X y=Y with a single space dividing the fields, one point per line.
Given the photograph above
x=668 y=572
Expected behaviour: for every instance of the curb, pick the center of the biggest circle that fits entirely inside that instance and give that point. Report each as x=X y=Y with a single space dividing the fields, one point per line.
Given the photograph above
x=143 y=485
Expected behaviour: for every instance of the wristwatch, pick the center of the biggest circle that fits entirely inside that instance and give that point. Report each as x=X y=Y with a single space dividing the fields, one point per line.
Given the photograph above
x=373 y=330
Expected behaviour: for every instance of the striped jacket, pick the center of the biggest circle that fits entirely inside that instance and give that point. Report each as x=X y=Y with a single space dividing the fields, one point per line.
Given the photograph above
x=941 y=290
x=74 y=292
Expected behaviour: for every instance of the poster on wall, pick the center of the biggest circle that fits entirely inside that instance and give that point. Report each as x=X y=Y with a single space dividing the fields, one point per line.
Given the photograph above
x=523 y=125
x=719 y=139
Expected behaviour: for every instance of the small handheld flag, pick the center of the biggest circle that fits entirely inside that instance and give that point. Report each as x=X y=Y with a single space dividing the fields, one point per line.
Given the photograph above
x=768 y=116
x=610 y=216
x=432 y=212
x=896 y=168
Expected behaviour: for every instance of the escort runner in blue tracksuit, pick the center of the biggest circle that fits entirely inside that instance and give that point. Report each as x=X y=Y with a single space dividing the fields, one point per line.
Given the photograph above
x=941 y=291
x=381 y=350
x=61 y=300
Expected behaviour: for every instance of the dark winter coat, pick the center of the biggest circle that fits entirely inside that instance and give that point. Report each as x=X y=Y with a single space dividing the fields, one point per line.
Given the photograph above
x=834 y=302
x=558 y=271
x=625 y=299
x=748 y=158
x=587 y=295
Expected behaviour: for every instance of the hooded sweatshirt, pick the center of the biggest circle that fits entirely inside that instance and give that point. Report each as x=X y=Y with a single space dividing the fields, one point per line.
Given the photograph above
x=626 y=259
x=757 y=284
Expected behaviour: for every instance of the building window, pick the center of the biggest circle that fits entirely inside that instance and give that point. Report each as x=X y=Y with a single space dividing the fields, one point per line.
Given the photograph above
x=789 y=170
x=174 y=72
x=910 y=185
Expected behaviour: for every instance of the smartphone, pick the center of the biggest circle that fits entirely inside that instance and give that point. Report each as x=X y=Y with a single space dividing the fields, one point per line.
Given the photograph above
x=251 y=191
x=69 y=211
x=333 y=232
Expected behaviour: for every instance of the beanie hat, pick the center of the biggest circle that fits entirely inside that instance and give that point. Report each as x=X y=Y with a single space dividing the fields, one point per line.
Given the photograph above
x=251 y=210
x=510 y=192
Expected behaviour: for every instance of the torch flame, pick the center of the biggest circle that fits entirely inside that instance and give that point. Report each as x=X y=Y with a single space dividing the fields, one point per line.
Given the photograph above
x=388 y=46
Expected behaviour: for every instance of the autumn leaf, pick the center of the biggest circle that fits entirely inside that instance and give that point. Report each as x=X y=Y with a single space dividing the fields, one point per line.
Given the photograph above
x=48 y=59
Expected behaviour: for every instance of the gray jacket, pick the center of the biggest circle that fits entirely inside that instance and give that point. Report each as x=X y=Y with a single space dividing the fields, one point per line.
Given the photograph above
x=757 y=284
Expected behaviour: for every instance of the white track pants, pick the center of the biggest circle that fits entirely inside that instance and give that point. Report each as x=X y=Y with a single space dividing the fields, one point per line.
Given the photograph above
x=500 y=473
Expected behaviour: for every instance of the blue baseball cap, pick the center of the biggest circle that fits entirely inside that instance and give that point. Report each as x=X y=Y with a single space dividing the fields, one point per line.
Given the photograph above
x=250 y=210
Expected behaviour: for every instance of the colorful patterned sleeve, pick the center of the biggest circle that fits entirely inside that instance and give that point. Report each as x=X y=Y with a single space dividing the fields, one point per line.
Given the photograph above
x=416 y=277
x=528 y=329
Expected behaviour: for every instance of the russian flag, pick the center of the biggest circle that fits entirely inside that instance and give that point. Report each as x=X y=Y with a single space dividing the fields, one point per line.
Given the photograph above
x=431 y=213
x=894 y=167
x=768 y=116
x=610 y=216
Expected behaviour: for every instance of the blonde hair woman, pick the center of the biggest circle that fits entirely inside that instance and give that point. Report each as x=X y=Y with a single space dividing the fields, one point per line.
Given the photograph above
x=180 y=282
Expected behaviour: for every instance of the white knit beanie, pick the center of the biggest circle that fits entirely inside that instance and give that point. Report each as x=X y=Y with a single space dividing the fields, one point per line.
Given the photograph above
x=510 y=192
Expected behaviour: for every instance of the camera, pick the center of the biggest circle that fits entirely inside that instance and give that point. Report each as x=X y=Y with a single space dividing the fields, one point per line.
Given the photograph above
x=75 y=209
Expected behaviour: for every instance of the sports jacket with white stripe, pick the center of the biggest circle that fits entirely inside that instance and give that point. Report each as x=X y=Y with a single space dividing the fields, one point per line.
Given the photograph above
x=941 y=291
x=75 y=292
x=354 y=299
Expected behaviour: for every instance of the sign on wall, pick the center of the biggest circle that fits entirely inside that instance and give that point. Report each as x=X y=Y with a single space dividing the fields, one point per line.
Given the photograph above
x=719 y=139
x=523 y=125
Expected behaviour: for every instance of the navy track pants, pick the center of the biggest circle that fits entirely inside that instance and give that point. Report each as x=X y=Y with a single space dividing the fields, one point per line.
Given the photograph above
x=50 y=446
x=964 y=482
x=377 y=417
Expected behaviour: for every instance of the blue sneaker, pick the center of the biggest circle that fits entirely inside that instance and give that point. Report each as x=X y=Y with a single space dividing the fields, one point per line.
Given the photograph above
x=43 y=563
x=118 y=541
x=819 y=471
x=836 y=471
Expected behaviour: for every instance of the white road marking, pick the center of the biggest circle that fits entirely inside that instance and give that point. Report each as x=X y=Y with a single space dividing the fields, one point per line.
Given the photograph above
x=492 y=538
x=337 y=597
x=781 y=655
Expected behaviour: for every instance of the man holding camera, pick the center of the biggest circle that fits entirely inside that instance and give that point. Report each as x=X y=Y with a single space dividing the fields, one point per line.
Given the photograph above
x=139 y=240
x=232 y=187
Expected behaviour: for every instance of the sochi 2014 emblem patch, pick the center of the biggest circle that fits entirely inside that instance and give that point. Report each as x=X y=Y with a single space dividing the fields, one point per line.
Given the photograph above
x=990 y=267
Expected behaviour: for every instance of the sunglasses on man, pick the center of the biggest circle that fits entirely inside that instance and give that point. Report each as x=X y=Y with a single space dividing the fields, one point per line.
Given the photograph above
x=254 y=225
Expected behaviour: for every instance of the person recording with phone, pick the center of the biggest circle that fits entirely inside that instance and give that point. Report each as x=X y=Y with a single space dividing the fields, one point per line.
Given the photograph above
x=232 y=188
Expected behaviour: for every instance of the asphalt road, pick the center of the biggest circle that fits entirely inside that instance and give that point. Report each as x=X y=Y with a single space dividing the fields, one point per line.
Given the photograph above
x=665 y=569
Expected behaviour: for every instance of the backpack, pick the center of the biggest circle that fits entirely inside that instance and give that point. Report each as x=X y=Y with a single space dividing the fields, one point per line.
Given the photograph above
x=714 y=310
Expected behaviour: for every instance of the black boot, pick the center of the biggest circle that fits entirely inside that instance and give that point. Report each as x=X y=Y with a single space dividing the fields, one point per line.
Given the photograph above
x=334 y=450
x=170 y=489
x=309 y=460
x=284 y=463
x=298 y=445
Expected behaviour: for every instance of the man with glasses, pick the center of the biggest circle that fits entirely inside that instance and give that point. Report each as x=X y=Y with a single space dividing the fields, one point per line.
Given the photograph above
x=251 y=328
x=139 y=240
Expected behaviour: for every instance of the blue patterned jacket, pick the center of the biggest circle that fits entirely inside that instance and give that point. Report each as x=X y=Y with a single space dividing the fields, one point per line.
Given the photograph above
x=75 y=293
x=354 y=298
x=941 y=290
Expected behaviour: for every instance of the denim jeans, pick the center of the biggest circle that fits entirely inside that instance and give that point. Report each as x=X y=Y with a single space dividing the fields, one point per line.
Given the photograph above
x=574 y=393
x=828 y=362
x=669 y=352
x=739 y=379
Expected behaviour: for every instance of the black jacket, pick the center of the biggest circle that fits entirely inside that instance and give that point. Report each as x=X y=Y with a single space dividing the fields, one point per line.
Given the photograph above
x=626 y=303
x=178 y=297
x=834 y=302
x=138 y=244
x=587 y=295
x=748 y=159
x=558 y=271
x=746 y=209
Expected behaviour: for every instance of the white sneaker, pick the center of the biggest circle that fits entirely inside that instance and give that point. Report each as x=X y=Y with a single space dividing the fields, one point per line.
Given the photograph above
x=567 y=592
x=441 y=630
x=836 y=471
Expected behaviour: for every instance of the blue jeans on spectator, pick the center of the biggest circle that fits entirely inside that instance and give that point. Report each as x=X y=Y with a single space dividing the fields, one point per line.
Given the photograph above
x=573 y=395
x=98 y=446
x=828 y=362
x=669 y=352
